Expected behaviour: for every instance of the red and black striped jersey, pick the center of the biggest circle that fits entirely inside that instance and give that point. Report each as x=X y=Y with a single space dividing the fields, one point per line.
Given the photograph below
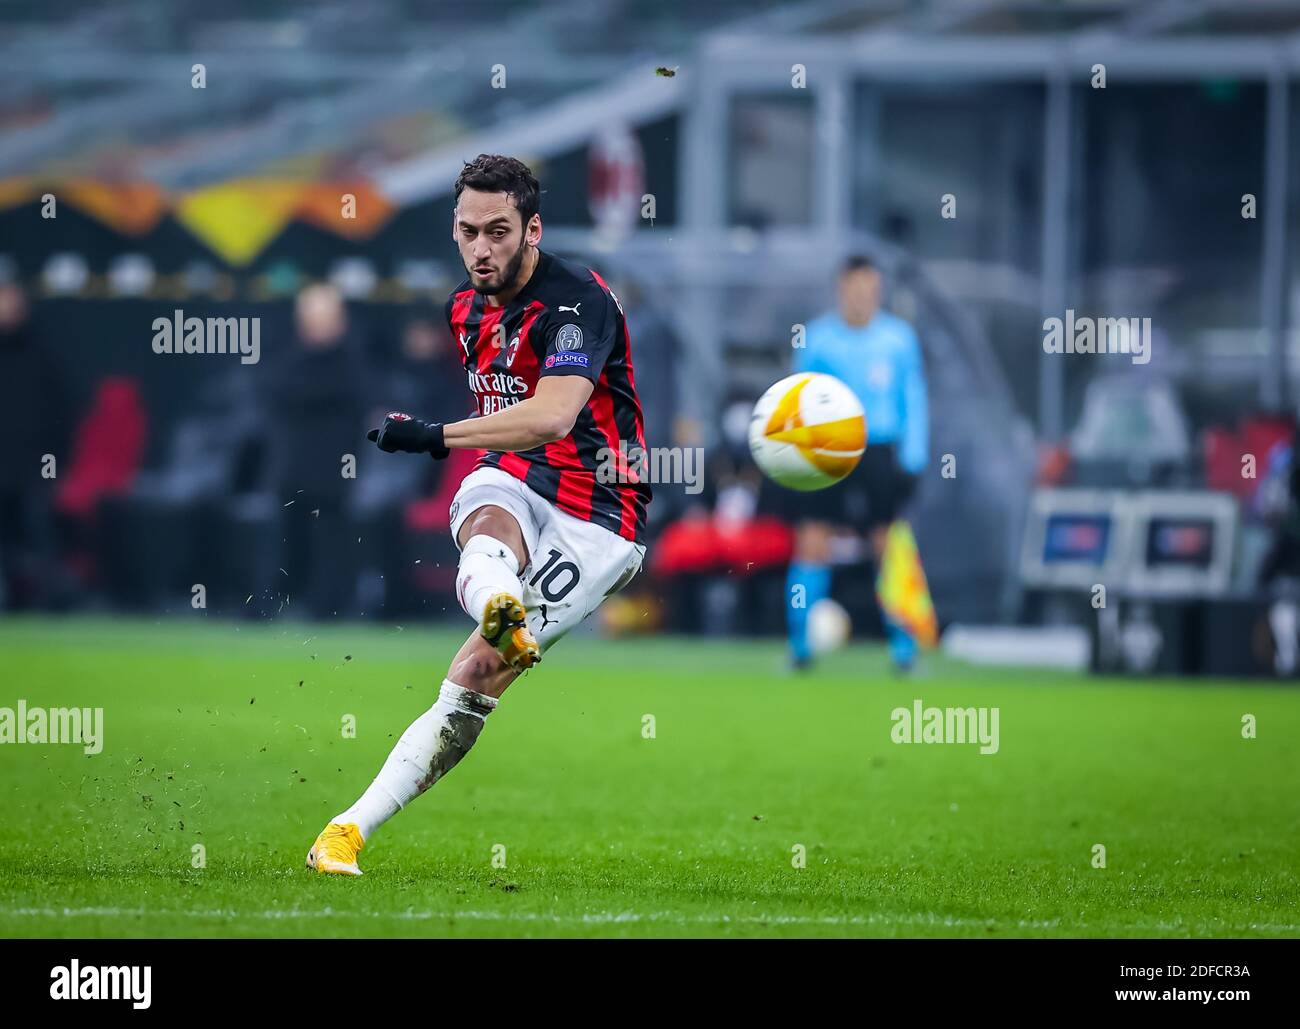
x=565 y=321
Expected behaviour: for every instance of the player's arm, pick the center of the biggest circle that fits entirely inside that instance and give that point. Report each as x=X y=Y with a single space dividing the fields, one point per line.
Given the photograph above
x=544 y=417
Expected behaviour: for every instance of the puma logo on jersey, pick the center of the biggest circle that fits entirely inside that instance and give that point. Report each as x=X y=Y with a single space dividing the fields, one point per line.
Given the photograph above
x=464 y=342
x=574 y=308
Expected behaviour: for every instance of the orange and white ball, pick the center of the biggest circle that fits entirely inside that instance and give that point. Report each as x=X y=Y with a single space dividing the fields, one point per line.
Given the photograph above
x=808 y=431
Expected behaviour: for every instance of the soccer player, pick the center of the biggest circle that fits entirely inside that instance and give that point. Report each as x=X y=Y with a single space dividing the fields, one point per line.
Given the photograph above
x=876 y=354
x=551 y=520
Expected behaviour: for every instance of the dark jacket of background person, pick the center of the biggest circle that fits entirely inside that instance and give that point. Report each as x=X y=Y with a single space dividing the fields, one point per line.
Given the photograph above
x=34 y=419
x=317 y=409
x=425 y=378
x=316 y=416
x=433 y=388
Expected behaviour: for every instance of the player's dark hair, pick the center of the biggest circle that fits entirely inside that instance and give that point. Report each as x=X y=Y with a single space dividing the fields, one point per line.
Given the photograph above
x=495 y=173
x=857 y=263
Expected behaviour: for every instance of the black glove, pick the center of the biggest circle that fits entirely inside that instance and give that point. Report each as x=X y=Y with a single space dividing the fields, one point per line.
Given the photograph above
x=409 y=435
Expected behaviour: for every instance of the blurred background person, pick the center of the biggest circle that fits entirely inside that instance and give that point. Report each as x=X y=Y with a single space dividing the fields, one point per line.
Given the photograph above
x=428 y=374
x=877 y=355
x=33 y=422
x=402 y=506
x=319 y=395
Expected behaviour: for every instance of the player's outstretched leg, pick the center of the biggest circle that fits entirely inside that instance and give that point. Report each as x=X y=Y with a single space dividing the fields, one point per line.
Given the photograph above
x=488 y=588
x=430 y=748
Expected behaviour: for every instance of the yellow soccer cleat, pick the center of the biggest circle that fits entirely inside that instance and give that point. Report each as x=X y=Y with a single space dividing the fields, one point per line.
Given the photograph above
x=503 y=626
x=335 y=850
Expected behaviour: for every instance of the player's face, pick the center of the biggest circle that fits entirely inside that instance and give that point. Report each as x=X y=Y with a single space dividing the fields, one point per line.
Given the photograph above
x=859 y=295
x=492 y=240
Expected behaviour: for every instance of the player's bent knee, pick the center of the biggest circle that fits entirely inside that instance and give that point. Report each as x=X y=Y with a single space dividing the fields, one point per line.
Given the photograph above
x=498 y=523
x=488 y=520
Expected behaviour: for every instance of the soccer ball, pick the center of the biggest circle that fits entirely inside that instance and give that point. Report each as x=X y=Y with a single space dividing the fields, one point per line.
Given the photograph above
x=828 y=626
x=808 y=431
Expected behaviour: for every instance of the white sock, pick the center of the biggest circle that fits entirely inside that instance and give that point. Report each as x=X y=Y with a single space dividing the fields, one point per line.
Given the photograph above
x=487 y=566
x=427 y=751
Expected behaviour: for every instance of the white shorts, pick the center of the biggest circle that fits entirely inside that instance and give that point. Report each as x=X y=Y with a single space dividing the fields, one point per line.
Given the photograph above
x=572 y=565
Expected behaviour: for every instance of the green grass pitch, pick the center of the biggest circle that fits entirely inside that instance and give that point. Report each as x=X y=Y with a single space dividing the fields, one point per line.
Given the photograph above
x=231 y=737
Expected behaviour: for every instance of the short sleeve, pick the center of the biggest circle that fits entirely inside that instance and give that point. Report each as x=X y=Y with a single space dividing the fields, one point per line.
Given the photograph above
x=579 y=342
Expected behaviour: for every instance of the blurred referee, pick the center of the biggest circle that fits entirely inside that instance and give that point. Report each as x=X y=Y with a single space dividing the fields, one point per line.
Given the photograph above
x=876 y=354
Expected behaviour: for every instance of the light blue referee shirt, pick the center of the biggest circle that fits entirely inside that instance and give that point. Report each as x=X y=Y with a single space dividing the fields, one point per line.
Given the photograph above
x=881 y=363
